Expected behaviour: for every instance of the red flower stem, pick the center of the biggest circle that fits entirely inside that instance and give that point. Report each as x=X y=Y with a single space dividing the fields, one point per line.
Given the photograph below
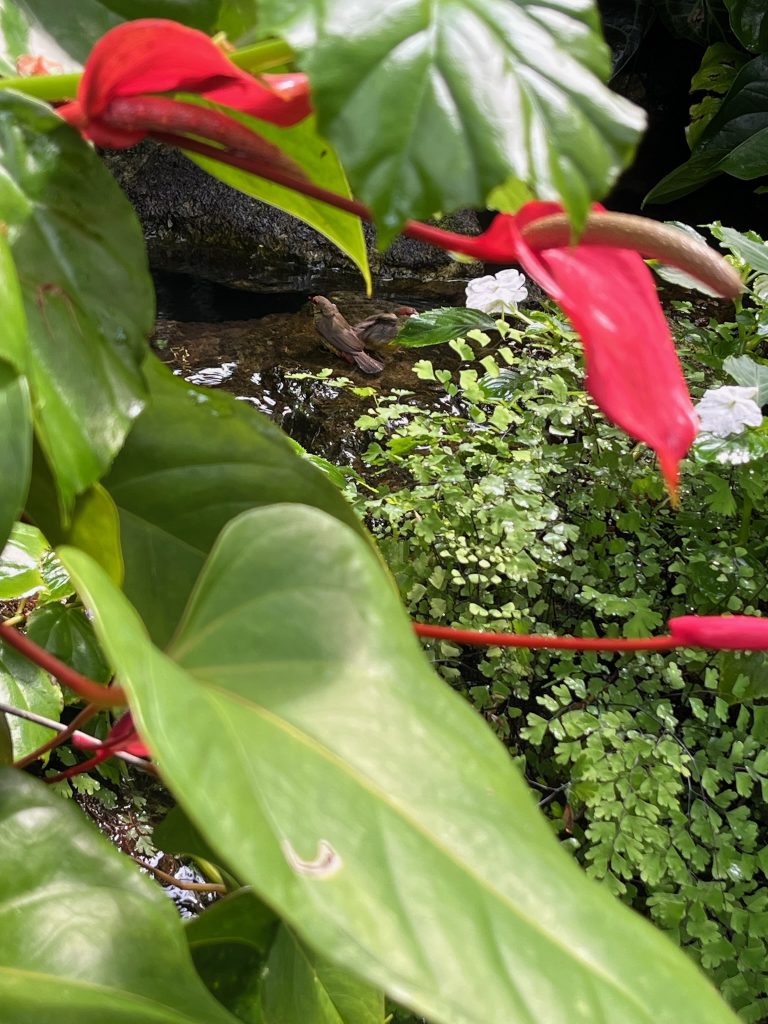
x=105 y=697
x=555 y=643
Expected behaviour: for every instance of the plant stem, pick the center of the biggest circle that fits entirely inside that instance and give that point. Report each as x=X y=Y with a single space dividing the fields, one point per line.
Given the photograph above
x=52 y=88
x=49 y=723
x=555 y=643
x=272 y=53
x=80 y=719
x=94 y=693
x=179 y=883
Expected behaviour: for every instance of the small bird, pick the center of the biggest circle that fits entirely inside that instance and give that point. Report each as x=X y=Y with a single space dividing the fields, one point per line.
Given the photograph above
x=341 y=337
x=381 y=328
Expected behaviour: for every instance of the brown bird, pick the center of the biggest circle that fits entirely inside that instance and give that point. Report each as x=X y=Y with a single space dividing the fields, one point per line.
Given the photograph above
x=381 y=328
x=340 y=336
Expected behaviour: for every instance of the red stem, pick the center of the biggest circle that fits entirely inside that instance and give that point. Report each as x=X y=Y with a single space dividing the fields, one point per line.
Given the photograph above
x=556 y=643
x=105 y=697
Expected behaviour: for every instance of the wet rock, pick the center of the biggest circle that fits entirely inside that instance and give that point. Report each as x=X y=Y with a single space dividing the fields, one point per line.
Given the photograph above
x=195 y=224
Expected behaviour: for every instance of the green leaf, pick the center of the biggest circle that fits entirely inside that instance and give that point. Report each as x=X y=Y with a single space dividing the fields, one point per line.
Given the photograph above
x=84 y=938
x=49 y=28
x=431 y=106
x=229 y=943
x=176 y=834
x=89 y=300
x=300 y=986
x=735 y=450
x=734 y=142
x=16 y=449
x=437 y=326
x=316 y=156
x=749 y=21
x=201 y=14
x=6 y=741
x=195 y=459
x=749 y=374
x=15 y=407
x=749 y=250
x=364 y=800
x=21 y=563
x=26 y=687
x=65 y=632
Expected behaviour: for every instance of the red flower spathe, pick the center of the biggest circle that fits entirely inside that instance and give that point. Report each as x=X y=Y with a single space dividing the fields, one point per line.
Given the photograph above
x=723 y=632
x=633 y=372
x=151 y=56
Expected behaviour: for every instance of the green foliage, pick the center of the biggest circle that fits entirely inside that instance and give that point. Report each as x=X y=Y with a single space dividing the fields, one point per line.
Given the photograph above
x=446 y=129
x=74 y=956
x=519 y=509
x=734 y=141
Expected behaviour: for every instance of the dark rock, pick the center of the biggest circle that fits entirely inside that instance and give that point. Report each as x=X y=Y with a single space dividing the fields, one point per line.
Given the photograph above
x=195 y=224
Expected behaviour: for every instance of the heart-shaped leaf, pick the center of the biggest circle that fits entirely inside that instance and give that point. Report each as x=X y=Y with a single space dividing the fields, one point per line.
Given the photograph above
x=364 y=800
x=431 y=106
x=749 y=374
x=195 y=459
x=80 y=257
x=84 y=938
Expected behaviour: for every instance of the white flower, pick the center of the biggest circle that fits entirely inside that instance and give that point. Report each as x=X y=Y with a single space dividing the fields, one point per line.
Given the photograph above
x=729 y=410
x=499 y=293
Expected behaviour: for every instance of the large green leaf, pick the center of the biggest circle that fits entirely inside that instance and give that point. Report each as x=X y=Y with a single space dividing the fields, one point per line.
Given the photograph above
x=432 y=105
x=15 y=407
x=734 y=142
x=315 y=155
x=84 y=938
x=363 y=799
x=26 y=687
x=749 y=21
x=229 y=943
x=82 y=264
x=302 y=988
x=16 y=447
x=195 y=459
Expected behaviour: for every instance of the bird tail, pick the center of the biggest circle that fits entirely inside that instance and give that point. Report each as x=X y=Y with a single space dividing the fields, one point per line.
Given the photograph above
x=367 y=363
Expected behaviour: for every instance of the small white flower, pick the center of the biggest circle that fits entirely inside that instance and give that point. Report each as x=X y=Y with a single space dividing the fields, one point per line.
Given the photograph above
x=499 y=293
x=729 y=410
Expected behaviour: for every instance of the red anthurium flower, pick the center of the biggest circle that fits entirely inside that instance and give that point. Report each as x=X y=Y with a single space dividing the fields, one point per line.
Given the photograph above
x=633 y=372
x=724 y=632
x=151 y=56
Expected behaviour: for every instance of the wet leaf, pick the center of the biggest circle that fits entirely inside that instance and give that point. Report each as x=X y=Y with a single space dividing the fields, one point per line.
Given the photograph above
x=437 y=326
x=80 y=256
x=21 y=563
x=96 y=941
x=364 y=800
x=431 y=106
